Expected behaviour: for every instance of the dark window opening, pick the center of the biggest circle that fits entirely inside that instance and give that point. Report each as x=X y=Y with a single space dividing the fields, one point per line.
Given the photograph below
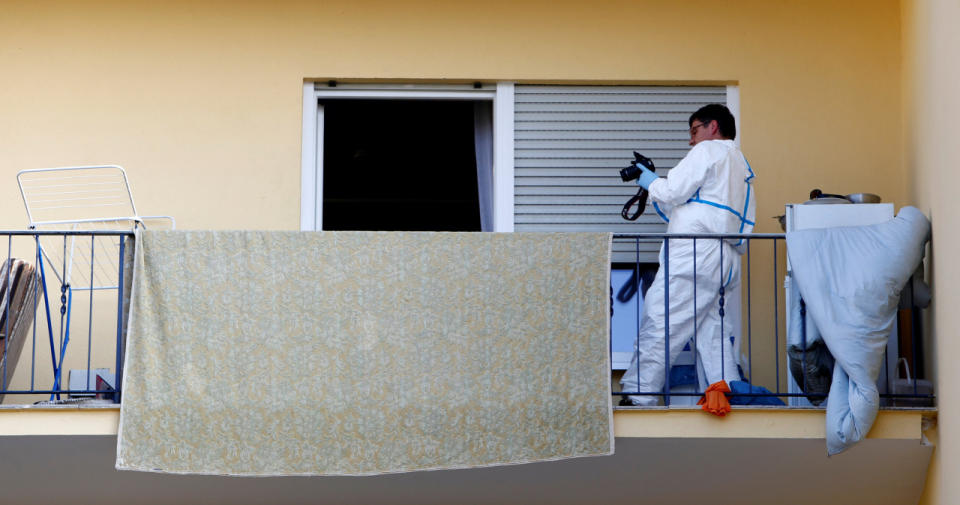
x=399 y=165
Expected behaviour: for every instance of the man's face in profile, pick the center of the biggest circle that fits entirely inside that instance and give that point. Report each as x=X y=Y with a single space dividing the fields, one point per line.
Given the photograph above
x=700 y=131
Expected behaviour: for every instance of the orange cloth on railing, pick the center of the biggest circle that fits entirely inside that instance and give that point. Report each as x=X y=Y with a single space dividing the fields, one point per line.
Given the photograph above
x=715 y=400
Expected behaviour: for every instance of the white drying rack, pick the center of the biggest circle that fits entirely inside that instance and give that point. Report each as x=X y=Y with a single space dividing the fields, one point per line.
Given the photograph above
x=82 y=198
x=79 y=199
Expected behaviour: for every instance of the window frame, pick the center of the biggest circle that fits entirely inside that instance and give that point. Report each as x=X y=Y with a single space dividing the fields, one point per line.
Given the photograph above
x=311 y=178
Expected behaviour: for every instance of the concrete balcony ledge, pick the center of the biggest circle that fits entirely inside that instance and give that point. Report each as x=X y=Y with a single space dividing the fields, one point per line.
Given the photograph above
x=629 y=422
x=59 y=420
x=758 y=422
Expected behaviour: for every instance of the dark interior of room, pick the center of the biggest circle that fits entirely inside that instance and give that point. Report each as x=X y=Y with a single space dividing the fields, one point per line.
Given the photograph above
x=399 y=165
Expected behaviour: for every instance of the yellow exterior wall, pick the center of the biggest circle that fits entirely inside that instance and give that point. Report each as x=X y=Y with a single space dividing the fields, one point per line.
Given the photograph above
x=933 y=78
x=201 y=101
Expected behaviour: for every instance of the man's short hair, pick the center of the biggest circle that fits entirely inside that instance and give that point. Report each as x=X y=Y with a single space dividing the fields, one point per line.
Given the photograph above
x=719 y=113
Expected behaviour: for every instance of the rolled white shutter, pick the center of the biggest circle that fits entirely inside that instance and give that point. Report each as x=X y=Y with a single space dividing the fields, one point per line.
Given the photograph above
x=571 y=142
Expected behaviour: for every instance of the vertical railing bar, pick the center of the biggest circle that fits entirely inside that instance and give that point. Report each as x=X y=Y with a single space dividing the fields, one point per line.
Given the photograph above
x=9 y=287
x=749 y=319
x=723 y=334
x=886 y=352
x=93 y=242
x=66 y=338
x=696 y=352
x=613 y=241
x=46 y=306
x=776 y=318
x=666 y=320
x=913 y=338
x=803 y=343
x=886 y=364
x=119 y=363
x=36 y=304
x=610 y=326
x=63 y=295
x=636 y=334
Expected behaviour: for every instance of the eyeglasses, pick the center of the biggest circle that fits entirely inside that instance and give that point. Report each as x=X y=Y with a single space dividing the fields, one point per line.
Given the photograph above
x=694 y=128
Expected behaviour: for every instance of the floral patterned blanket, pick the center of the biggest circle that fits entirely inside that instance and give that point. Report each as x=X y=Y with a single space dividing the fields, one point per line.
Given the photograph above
x=359 y=353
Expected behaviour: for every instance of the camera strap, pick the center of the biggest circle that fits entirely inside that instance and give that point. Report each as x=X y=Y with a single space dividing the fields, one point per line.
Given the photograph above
x=640 y=199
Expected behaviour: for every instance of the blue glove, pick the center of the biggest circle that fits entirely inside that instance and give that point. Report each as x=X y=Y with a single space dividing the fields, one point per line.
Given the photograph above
x=646 y=177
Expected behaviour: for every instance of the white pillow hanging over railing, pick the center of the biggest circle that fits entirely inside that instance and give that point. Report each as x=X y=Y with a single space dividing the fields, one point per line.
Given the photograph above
x=850 y=279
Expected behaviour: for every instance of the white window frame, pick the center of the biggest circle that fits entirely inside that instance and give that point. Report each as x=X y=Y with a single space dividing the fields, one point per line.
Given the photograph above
x=311 y=176
x=733 y=103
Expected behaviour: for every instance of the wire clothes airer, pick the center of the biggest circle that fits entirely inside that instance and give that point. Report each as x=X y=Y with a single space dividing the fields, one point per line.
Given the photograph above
x=78 y=201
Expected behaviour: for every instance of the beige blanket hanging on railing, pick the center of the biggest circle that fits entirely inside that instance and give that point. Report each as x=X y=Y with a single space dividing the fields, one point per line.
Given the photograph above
x=356 y=353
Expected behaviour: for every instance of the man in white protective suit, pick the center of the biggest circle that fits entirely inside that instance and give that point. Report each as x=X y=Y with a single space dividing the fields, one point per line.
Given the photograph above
x=709 y=191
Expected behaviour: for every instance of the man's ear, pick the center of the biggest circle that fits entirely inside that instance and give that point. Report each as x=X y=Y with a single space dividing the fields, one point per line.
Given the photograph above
x=714 y=128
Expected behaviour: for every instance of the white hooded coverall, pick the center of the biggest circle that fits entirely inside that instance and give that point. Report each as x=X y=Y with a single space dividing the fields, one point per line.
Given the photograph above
x=709 y=191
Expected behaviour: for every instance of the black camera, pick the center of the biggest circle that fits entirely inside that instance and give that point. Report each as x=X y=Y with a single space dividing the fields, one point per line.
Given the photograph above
x=633 y=171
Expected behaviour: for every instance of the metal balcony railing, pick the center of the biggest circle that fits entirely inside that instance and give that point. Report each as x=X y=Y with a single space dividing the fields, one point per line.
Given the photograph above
x=62 y=295
x=773 y=368
x=63 y=299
